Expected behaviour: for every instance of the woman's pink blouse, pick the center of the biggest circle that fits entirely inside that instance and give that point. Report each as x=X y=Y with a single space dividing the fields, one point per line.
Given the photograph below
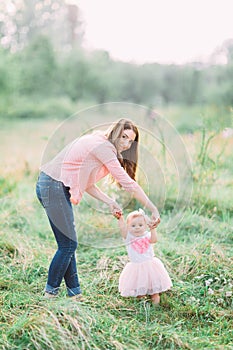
x=84 y=162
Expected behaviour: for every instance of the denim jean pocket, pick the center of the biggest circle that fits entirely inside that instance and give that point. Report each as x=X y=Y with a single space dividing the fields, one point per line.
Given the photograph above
x=43 y=194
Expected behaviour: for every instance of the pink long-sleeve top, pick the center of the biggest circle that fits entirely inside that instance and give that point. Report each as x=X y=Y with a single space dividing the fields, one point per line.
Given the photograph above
x=84 y=162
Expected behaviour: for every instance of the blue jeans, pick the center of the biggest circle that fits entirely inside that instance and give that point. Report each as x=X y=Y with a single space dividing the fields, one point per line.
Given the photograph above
x=55 y=198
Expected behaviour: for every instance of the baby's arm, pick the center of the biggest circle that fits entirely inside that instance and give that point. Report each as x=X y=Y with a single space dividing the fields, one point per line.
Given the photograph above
x=153 y=238
x=122 y=226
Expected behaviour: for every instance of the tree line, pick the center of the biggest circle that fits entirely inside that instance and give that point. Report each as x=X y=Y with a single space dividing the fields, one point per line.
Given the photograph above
x=39 y=57
x=39 y=70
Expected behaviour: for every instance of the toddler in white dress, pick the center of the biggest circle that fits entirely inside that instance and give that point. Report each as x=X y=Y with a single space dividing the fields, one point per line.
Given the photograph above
x=144 y=274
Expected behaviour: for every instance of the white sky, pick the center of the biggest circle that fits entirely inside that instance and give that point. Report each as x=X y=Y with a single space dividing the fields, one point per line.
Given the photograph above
x=165 y=31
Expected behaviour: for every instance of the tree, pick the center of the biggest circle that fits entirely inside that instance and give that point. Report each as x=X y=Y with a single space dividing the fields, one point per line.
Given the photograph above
x=73 y=74
x=223 y=54
x=37 y=67
x=23 y=20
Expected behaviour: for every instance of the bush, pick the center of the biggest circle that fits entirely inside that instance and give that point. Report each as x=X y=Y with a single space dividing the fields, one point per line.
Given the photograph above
x=23 y=108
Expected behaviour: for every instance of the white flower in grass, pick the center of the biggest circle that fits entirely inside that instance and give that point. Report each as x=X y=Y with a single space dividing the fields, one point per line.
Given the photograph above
x=220 y=300
x=210 y=291
x=229 y=293
x=227 y=132
x=193 y=300
x=209 y=281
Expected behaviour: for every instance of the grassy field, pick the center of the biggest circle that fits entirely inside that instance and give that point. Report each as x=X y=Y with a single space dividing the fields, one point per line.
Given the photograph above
x=195 y=314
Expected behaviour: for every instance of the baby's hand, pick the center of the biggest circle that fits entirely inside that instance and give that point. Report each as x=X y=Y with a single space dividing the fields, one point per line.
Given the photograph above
x=153 y=223
x=118 y=215
x=115 y=209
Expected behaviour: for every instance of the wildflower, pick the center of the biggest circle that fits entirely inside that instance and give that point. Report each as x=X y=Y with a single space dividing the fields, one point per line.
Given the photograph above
x=227 y=132
x=192 y=299
x=220 y=300
x=229 y=293
x=210 y=291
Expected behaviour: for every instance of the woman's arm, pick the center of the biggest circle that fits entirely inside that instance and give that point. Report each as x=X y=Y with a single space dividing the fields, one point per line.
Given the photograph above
x=130 y=185
x=95 y=192
x=107 y=157
x=140 y=195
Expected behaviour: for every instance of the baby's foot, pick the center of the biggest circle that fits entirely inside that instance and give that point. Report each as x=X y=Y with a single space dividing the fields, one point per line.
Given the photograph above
x=141 y=296
x=155 y=298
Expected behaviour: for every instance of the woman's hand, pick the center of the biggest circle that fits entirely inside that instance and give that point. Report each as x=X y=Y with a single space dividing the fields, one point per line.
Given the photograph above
x=73 y=201
x=155 y=220
x=115 y=209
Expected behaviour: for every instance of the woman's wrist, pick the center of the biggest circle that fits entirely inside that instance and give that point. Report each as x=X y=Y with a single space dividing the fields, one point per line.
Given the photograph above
x=155 y=213
x=110 y=201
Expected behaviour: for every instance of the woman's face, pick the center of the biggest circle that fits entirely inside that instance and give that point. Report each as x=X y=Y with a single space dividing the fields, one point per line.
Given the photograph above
x=126 y=139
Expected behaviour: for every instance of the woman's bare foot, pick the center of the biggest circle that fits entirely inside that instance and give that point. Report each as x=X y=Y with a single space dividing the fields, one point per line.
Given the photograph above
x=155 y=298
x=77 y=297
x=49 y=295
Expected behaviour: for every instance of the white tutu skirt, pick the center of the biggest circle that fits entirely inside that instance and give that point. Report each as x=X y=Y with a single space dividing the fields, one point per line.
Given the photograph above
x=145 y=278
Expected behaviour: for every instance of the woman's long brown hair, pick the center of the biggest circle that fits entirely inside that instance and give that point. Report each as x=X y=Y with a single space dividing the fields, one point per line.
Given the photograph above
x=128 y=158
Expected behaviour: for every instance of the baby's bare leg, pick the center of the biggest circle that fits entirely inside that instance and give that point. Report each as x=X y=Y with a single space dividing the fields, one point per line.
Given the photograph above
x=155 y=298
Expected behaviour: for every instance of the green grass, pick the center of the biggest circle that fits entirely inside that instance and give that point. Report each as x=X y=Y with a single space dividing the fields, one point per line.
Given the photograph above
x=195 y=314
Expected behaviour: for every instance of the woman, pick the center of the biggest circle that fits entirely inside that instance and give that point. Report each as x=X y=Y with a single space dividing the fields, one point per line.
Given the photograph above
x=72 y=172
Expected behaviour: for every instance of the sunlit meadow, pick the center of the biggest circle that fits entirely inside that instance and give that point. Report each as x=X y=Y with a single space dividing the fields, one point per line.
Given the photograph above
x=195 y=314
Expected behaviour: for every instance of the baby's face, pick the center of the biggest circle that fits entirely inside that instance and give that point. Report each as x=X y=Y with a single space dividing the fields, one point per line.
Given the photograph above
x=137 y=226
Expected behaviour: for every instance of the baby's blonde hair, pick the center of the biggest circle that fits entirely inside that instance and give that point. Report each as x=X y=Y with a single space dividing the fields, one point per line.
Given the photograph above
x=136 y=214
